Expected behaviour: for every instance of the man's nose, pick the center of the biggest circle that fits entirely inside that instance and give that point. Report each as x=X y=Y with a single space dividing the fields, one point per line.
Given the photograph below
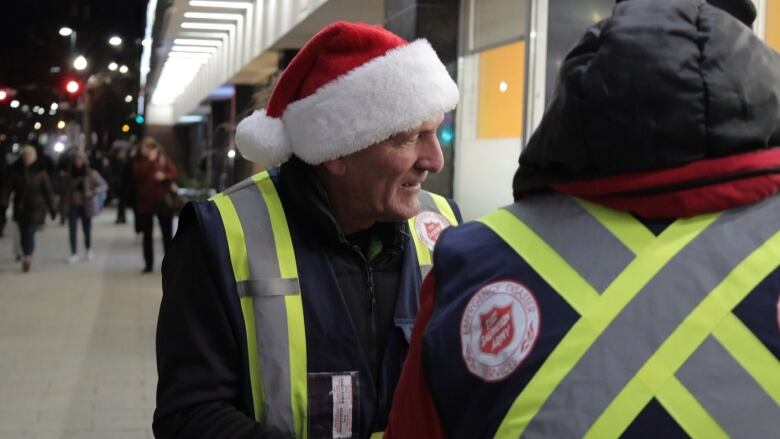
x=431 y=158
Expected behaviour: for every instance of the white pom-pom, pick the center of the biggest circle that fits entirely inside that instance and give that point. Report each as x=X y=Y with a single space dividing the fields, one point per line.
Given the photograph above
x=262 y=139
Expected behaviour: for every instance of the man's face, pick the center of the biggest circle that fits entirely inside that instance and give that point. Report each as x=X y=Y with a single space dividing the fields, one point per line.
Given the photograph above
x=384 y=179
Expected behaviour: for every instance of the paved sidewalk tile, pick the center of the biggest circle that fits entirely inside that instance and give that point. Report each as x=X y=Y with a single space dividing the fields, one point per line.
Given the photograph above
x=77 y=341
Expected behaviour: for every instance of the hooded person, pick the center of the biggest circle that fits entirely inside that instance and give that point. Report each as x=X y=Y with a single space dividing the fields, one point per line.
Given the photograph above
x=288 y=299
x=632 y=288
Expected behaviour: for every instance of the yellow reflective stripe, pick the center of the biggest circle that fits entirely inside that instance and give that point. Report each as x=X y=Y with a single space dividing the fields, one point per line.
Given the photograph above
x=687 y=411
x=543 y=259
x=750 y=353
x=423 y=255
x=687 y=337
x=377 y=435
x=444 y=208
x=255 y=377
x=596 y=318
x=296 y=331
x=235 y=236
x=296 y=328
x=630 y=231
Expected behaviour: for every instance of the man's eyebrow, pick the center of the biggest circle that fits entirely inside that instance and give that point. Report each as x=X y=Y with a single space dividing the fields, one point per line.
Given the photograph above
x=403 y=135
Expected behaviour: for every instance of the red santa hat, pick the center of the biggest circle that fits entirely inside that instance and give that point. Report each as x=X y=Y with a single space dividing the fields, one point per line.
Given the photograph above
x=352 y=85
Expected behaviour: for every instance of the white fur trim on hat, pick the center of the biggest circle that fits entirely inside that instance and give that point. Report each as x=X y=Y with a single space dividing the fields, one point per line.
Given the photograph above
x=262 y=139
x=389 y=94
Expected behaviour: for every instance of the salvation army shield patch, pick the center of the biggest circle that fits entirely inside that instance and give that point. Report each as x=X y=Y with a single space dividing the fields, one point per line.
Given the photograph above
x=429 y=226
x=498 y=329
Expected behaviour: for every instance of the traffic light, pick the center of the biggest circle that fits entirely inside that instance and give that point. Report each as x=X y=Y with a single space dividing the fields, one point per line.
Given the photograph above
x=139 y=119
x=73 y=87
x=3 y=95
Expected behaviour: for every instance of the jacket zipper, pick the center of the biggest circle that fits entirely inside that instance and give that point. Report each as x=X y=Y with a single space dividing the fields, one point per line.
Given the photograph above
x=374 y=335
x=371 y=302
x=372 y=327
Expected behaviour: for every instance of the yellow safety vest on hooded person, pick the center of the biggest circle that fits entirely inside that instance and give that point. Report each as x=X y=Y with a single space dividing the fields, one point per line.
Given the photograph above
x=575 y=320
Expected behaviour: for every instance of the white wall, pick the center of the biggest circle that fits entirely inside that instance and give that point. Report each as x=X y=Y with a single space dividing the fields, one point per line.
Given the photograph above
x=483 y=169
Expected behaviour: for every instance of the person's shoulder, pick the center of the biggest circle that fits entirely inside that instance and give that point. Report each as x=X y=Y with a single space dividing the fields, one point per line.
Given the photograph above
x=203 y=217
x=195 y=212
x=467 y=234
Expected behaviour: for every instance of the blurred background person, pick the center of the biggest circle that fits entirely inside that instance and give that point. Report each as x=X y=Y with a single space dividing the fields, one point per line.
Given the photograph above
x=32 y=196
x=117 y=183
x=128 y=187
x=154 y=175
x=83 y=196
x=3 y=178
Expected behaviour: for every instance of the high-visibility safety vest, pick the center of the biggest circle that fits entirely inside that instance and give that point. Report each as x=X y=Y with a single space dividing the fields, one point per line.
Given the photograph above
x=289 y=296
x=558 y=318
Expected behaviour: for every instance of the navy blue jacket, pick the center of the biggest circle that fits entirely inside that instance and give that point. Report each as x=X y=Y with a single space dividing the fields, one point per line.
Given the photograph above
x=204 y=388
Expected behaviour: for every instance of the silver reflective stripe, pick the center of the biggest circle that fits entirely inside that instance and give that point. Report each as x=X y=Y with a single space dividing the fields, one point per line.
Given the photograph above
x=274 y=358
x=427 y=203
x=637 y=332
x=267 y=287
x=240 y=185
x=425 y=269
x=729 y=394
x=259 y=237
x=269 y=304
x=560 y=221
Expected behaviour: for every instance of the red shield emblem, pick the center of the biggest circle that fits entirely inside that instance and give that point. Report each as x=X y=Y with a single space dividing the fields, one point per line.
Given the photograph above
x=433 y=229
x=497 y=329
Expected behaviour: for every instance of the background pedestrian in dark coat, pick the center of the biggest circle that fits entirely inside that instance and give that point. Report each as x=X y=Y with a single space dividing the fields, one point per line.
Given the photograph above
x=154 y=176
x=32 y=197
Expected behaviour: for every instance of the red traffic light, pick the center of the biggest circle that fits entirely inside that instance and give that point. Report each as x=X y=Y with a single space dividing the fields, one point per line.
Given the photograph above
x=3 y=95
x=72 y=87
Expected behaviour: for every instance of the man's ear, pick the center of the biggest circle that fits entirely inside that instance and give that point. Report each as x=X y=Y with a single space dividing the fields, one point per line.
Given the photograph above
x=336 y=167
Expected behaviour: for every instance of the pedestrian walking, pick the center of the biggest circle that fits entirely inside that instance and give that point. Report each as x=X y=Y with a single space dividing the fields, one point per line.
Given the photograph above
x=83 y=196
x=3 y=178
x=30 y=187
x=155 y=177
x=118 y=184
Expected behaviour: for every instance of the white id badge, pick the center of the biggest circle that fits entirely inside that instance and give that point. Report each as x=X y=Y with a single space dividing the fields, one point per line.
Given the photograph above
x=334 y=405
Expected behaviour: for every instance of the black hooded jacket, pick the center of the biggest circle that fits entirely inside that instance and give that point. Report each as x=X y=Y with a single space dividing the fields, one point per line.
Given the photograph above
x=661 y=83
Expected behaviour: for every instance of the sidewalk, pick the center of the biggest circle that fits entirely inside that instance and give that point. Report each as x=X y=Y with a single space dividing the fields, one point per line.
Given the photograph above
x=77 y=341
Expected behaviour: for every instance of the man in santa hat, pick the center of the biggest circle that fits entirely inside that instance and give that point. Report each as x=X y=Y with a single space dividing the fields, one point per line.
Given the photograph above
x=288 y=299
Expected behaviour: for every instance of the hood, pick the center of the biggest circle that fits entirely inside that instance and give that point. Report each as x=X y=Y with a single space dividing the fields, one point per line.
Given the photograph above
x=661 y=83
